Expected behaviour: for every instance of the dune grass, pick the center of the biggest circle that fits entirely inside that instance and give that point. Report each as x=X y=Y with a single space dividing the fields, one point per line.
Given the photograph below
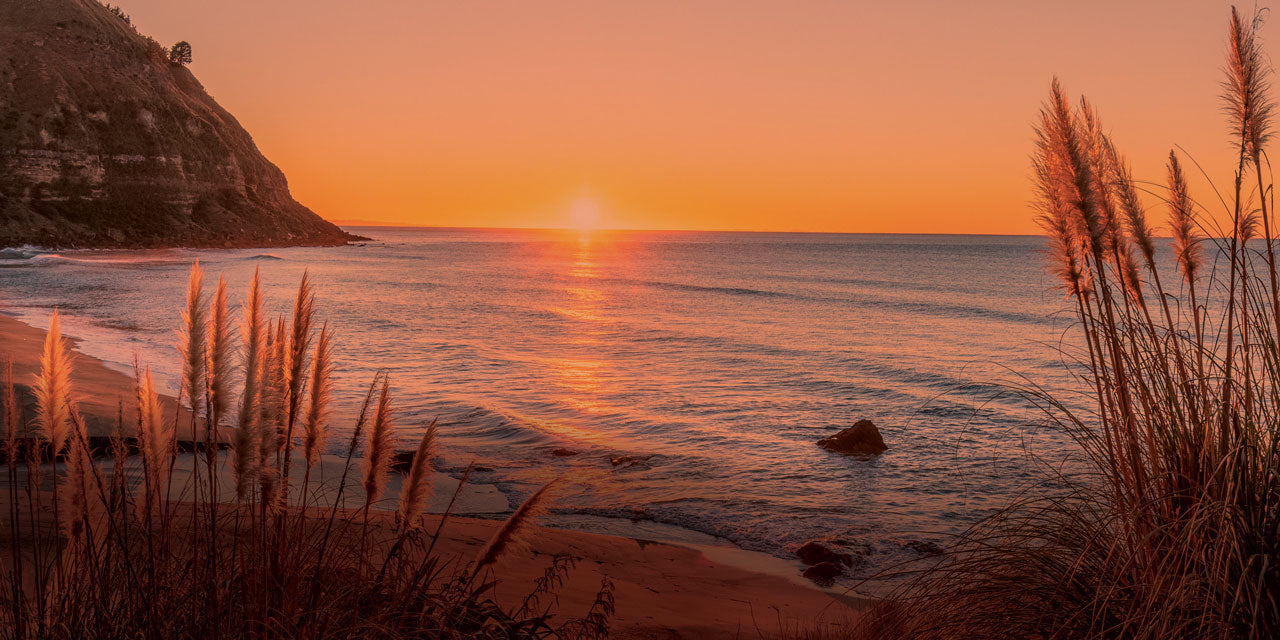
x=1175 y=530
x=122 y=551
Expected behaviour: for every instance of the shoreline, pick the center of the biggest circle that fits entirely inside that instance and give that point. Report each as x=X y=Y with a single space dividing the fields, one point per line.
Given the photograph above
x=110 y=376
x=665 y=588
x=100 y=389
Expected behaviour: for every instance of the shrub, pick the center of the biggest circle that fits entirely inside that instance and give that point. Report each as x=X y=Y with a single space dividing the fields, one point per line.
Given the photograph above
x=119 y=13
x=155 y=51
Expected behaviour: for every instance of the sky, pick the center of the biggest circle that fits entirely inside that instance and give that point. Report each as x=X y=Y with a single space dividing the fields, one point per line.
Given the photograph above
x=801 y=115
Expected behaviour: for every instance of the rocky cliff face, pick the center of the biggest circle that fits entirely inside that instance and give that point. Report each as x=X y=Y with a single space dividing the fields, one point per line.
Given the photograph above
x=104 y=143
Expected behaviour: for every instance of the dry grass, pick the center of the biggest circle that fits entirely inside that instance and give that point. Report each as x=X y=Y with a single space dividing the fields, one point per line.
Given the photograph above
x=1176 y=533
x=123 y=553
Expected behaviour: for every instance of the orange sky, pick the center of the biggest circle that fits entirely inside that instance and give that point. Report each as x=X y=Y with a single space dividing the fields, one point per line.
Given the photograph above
x=815 y=115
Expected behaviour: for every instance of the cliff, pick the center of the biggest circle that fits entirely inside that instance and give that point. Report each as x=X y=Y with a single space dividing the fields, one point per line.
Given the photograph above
x=105 y=143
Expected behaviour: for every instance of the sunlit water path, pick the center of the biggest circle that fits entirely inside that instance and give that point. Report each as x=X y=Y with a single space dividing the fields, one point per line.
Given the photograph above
x=714 y=360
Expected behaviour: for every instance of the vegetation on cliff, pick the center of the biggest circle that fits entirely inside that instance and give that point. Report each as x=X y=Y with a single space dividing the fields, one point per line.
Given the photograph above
x=106 y=140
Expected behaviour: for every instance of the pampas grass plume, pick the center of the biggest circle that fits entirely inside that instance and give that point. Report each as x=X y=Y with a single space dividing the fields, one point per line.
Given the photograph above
x=53 y=387
x=272 y=401
x=377 y=452
x=316 y=428
x=273 y=391
x=515 y=531
x=79 y=503
x=246 y=440
x=1186 y=246
x=1245 y=91
x=192 y=344
x=219 y=354
x=299 y=342
x=155 y=437
x=416 y=487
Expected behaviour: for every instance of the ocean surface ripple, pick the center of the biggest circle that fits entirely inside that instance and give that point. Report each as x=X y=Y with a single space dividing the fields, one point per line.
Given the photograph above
x=714 y=360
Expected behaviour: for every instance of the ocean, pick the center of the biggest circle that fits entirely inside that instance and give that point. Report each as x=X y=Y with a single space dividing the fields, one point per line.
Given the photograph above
x=689 y=373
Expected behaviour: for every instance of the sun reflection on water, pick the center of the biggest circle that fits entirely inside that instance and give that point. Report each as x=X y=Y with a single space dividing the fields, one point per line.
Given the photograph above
x=578 y=373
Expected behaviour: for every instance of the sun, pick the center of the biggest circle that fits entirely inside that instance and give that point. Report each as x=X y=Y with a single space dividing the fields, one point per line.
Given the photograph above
x=584 y=214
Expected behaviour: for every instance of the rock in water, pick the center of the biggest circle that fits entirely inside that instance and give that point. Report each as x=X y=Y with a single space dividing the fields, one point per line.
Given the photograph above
x=840 y=551
x=105 y=143
x=926 y=547
x=629 y=461
x=862 y=439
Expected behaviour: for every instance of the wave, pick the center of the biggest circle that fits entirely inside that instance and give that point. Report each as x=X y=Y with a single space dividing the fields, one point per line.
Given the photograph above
x=491 y=426
x=931 y=307
x=264 y=256
x=25 y=257
x=733 y=291
x=24 y=252
x=697 y=288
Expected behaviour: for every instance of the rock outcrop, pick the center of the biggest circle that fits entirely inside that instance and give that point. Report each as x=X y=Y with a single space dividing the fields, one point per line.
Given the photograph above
x=925 y=547
x=829 y=557
x=105 y=143
x=862 y=439
x=837 y=550
x=629 y=461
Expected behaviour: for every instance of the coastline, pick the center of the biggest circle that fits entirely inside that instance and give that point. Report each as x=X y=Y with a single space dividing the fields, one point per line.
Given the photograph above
x=663 y=589
x=100 y=389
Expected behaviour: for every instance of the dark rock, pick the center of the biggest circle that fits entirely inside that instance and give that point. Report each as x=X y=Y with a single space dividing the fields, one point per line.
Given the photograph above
x=105 y=144
x=862 y=439
x=564 y=453
x=479 y=469
x=841 y=551
x=925 y=547
x=824 y=574
x=629 y=461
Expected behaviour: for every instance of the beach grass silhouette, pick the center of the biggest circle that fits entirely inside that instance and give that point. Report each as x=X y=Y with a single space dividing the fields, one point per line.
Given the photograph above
x=123 y=550
x=1175 y=532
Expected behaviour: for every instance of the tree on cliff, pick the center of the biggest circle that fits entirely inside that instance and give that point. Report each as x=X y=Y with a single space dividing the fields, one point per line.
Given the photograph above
x=180 y=53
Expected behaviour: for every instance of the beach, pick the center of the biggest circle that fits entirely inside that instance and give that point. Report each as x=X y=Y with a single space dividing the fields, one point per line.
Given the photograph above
x=662 y=590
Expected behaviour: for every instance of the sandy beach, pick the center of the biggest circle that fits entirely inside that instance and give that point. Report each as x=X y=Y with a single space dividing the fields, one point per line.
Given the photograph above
x=100 y=389
x=662 y=590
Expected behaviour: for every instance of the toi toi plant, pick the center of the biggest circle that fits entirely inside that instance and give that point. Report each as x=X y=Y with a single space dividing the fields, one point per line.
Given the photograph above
x=1176 y=532
x=122 y=550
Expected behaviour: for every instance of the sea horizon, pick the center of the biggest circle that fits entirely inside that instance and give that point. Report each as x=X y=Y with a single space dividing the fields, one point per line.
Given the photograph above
x=349 y=224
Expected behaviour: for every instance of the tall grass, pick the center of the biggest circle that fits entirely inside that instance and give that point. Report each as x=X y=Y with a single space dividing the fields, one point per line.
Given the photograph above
x=1175 y=533
x=123 y=550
